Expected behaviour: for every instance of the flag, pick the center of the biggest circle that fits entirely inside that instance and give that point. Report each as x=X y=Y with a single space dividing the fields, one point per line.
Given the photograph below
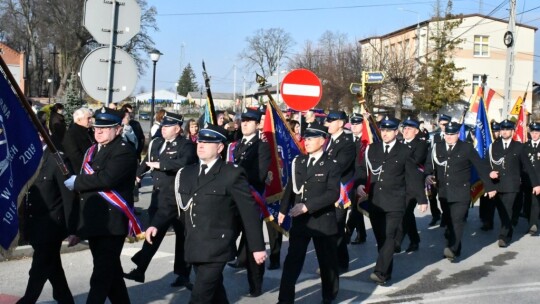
x=284 y=148
x=209 y=112
x=20 y=156
x=521 y=125
x=479 y=94
x=483 y=139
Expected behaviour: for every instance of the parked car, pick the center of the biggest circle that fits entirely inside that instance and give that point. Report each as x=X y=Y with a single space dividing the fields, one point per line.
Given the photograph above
x=144 y=116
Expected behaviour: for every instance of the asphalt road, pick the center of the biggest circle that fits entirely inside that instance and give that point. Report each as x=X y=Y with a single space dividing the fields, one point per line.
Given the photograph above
x=485 y=273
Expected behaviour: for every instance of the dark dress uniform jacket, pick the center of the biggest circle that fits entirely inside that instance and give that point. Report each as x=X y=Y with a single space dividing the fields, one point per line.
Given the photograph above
x=319 y=193
x=419 y=149
x=49 y=205
x=343 y=151
x=454 y=181
x=76 y=141
x=220 y=199
x=533 y=154
x=114 y=167
x=399 y=177
x=515 y=161
x=178 y=154
x=254 y=157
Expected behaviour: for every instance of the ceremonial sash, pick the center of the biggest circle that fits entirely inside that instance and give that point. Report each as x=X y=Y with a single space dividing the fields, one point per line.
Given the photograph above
x=230 y=152
x=344 y=199
x=112 y=197
x=261 y=202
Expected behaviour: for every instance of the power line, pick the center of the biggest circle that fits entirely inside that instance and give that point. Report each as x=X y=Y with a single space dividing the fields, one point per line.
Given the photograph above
x=296 y=9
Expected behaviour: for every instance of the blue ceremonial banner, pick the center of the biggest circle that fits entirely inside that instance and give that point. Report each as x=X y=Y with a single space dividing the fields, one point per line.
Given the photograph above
x=284 y=148
x=483 y=140
x=20 y=156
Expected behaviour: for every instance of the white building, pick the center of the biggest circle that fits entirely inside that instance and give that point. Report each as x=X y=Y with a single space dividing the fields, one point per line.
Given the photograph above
x=482 y=51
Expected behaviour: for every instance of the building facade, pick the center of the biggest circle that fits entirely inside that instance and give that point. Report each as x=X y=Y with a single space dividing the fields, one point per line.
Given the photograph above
x=481 y=52
x=16 y=64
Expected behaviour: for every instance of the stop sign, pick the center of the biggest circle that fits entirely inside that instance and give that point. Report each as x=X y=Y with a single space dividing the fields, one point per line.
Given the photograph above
x=301 y=89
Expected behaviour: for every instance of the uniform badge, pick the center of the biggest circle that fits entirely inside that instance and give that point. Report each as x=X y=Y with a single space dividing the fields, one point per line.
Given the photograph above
x=174 y=144
x=303 y=160
x=321 y=163
x=337 y=141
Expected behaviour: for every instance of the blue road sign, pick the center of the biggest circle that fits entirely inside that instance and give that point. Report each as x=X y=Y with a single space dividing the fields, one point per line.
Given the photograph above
x=374 y=77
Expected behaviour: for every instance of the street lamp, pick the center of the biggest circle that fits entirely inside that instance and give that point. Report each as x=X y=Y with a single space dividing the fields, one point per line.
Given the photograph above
x=154 y=56
x=49 y=81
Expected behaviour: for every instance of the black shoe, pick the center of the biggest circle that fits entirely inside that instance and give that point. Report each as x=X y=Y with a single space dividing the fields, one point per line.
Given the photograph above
x=254 y=294
x=413 y=247
x=533 y=230
x=273 y=266
x=397 y=249
x=434 y=221
x=449 y=254
x=486 y=227
x=236 y=264
x=182 y=281
x=378 y=278
x=359 y=240
x=343 y=270
x=135 y=275
x=502 y=243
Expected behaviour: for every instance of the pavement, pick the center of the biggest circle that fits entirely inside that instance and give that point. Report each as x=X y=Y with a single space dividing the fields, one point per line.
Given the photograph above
x=484 y=273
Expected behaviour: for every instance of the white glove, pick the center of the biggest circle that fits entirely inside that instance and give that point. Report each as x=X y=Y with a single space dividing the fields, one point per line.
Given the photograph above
x=70 y=182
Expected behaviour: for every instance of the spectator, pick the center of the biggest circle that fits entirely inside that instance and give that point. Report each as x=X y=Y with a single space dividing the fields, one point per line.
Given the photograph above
x=57 y=125
x=79 y=137
x=192 y=130
x=155 y=130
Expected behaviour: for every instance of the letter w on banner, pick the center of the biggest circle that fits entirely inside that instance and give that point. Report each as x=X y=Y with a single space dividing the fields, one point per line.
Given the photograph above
x=284 y=148
x=20 y=157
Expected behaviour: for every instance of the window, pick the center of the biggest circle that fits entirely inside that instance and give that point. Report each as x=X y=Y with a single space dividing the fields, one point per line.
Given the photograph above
x=481 y=46
x=476 y=82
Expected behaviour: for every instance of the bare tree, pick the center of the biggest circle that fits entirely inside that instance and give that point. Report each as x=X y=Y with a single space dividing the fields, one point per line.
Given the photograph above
x=337 y=62
x=265 y=49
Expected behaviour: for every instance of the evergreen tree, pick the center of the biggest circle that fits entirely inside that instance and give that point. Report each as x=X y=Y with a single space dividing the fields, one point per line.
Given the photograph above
x=72 y=100
x=187 y=82
x=437 y=85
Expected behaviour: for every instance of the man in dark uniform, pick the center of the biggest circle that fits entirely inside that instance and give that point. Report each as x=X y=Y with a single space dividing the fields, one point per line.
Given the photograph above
x=111 y=166
x=532 y=202
x=341 y=149
x=78 y=138
x=433 y=190
x=253 y=155
x=312 y=192
x=508 y=160
x=356 y=218
x=420 y=151
x=49 y=219
x=216 y=196
x=486 y=209
x=167 y=155
x=450 y=167
x=394 y=177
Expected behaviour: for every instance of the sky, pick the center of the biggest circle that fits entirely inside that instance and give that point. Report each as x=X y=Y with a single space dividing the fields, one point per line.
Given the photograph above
x=215 y=31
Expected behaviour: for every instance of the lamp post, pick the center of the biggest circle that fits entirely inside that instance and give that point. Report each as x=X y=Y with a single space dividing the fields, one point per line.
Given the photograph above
x=154 y=55
x=49 y=81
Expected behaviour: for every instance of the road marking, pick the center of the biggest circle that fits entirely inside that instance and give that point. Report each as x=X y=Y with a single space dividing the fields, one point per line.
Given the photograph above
x=131 y=252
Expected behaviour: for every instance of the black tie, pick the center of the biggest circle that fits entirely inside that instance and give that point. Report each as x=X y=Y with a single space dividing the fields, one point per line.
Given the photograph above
x=165 y=147
x=357 y=138
x=450 y=147
x=386 y=149
x=535 y=145
x=505 y=146
x=310 y=165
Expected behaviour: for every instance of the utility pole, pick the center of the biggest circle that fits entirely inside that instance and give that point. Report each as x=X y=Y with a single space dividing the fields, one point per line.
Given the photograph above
x=509 y=41
x=54 y=53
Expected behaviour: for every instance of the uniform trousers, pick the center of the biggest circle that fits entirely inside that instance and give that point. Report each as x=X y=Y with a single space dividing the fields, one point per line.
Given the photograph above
x=144 y=256
x=255 y=272
x=408 y=226
x=504 y=202
x=208 y=287
x=325 y=249
x=457 y=212
x=433 y=204
x=535 y=211
x=47 y=265
x=342 y=250
x=356 y=222
x=385 y=227
x=107 y=279
x=275 y=239
x=484 y=211
x=152 y=209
